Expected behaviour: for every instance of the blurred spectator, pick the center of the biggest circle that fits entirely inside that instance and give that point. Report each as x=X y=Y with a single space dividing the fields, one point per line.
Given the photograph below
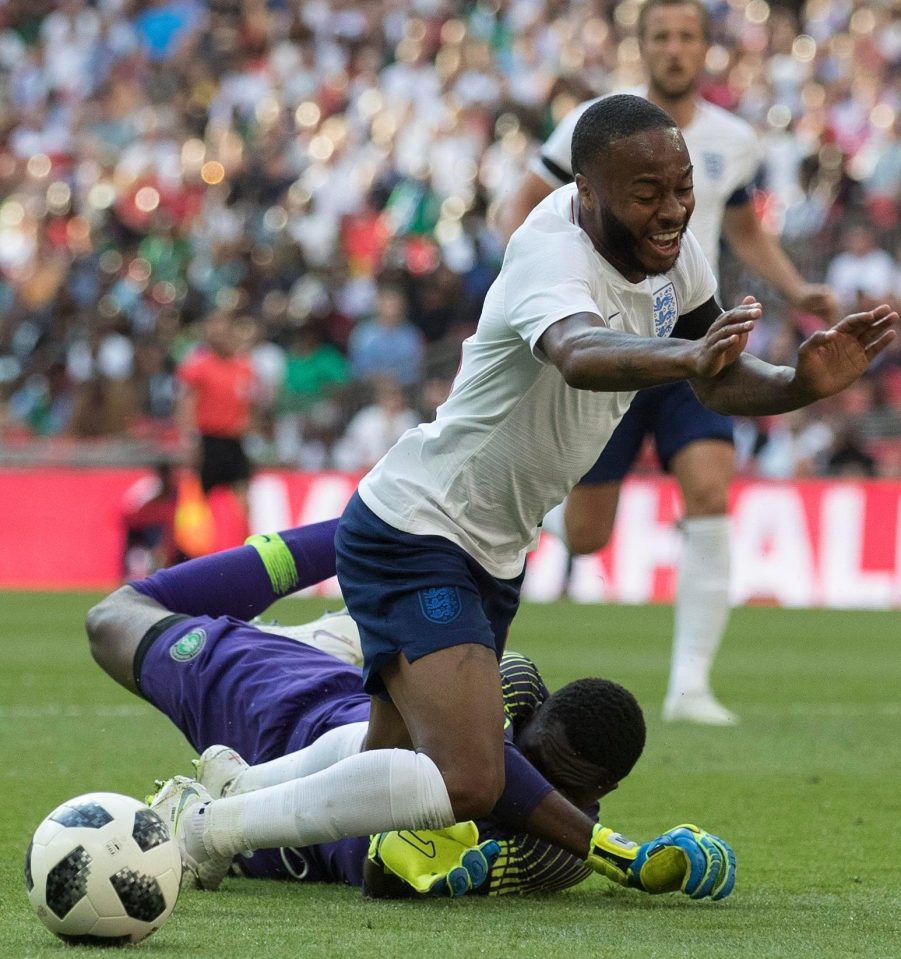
x=848 y=456
x=793 y=446
x=148 y=515
x=375 y=428
x=388 y=344
x=863 y=275
x=315 y=371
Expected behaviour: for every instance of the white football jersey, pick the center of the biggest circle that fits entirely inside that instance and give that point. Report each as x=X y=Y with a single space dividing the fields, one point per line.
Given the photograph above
x=513 y=438
x=723 y=148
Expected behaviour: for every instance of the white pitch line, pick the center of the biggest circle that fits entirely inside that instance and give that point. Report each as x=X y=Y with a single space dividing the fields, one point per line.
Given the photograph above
x=71 y=711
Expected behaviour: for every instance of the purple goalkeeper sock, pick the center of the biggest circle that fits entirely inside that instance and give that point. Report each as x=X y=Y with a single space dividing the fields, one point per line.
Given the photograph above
x=244 y=581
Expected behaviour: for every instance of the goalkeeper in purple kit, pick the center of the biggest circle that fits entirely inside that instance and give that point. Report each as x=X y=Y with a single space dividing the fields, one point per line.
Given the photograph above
x=289 y=711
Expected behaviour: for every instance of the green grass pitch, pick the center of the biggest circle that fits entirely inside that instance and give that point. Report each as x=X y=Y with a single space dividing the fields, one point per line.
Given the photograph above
x=807 y=790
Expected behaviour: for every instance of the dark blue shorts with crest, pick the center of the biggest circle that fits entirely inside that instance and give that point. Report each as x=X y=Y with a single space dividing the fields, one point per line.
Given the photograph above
x=416 y=594
x=673 y=415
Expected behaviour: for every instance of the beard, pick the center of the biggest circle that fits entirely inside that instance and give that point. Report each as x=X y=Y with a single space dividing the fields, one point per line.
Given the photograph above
x=619 y=238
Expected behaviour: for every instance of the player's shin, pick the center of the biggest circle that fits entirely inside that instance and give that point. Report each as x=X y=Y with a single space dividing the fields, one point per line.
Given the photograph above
x=372 y=792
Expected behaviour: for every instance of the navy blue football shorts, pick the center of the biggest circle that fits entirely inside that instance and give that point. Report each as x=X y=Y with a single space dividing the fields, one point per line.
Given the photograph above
x=673 y=415
x=416 y=594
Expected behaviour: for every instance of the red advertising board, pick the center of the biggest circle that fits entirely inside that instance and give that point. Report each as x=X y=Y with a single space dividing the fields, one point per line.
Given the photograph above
x=812 y=543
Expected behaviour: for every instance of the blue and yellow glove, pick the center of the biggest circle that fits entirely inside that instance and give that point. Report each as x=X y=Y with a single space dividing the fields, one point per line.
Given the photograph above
x=684 y=859
x=436 y=862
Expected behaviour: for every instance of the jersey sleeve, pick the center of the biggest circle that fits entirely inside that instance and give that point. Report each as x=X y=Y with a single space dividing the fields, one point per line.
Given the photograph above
x=554 y=162
x=747 y=160
x=526 y=864
x=547 y=273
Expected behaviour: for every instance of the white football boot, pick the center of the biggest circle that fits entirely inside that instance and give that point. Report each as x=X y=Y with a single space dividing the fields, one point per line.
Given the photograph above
x=219 y=769
x=172 y=801
x=703 y=709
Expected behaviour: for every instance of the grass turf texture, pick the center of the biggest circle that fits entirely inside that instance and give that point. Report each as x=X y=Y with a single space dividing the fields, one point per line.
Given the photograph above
x=806 y=789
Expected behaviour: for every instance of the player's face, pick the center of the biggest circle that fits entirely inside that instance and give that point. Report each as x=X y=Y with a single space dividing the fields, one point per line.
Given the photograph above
x=673 y=48
x=582 y=782
x=636 y=203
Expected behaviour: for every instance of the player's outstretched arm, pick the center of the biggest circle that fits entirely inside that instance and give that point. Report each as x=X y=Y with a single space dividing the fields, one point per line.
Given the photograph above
x=684 y=859
x=828 y=361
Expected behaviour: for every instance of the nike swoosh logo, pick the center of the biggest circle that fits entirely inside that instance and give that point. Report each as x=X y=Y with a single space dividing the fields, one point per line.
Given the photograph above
x=186 y=794
x=422 y=846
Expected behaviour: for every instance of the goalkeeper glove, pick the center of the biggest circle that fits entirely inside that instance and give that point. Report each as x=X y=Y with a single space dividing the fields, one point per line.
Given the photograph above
x=685 y=859
x=438 y=862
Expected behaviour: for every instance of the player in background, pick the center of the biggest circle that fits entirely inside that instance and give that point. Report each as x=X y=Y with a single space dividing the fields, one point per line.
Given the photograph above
x=694 y=443
x=217 y=393
x=431 y=548
x=280 y=698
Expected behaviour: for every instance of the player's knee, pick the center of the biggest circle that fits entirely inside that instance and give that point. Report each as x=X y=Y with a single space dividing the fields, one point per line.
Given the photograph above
x=585 y=539
x=101 y=635
x=475 y=793
x=589 y=523
x=708 y=499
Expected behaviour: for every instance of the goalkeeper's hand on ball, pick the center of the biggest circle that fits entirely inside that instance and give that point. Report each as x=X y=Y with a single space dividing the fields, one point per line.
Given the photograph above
x=436 y=862
x=684 y=859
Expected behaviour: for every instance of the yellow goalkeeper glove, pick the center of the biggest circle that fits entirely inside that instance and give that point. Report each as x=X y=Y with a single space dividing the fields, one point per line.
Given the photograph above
x=437 y=862
x=684 y=859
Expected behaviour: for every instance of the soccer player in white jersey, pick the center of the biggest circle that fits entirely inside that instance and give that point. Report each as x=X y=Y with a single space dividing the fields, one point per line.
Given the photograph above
x=693 y=443
x=602 y=292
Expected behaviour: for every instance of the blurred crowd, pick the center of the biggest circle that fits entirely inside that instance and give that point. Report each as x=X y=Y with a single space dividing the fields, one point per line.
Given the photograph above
x=323 y=174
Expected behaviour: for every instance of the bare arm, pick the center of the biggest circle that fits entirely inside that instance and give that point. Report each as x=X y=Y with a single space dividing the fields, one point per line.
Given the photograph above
x=515 y=208
x=828 y=361
x=760 y=252
x=593 y=357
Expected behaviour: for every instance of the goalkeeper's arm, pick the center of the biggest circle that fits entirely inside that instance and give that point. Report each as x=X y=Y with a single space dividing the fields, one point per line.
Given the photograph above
x=684 y=859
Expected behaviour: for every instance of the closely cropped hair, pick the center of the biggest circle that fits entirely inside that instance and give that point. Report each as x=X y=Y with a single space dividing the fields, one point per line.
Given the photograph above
x=611 y=119
x=651 y=5
x=602 y=722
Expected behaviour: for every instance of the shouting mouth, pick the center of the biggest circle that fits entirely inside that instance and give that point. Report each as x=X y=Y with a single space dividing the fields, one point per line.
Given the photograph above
x=666 y=244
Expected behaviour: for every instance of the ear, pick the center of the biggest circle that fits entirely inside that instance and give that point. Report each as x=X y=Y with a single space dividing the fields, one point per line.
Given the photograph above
x=586 y=194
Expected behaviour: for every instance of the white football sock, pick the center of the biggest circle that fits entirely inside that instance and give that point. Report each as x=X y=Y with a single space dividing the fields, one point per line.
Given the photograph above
x=372 y=792
x=702 y=604
x=330 y=748
x=555 y=522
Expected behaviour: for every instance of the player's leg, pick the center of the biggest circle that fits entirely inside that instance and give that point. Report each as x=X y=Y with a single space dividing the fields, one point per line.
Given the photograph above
x=697 y=449
x=461 y=730
x=244 y=581
x=589 y=515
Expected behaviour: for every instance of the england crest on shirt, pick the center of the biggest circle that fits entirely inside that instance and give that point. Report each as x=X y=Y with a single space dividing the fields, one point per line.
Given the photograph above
x=665 y=310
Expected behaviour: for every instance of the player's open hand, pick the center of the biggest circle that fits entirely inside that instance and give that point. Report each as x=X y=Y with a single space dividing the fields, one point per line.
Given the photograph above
x=727 y=338
x=436 y=862
x=830 y=360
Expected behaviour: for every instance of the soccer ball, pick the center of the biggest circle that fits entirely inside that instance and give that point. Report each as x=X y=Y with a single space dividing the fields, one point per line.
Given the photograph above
x=103 y=869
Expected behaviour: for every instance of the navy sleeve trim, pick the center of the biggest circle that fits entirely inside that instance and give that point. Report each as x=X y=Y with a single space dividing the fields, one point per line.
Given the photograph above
x=740 y=197
x=564 y=176
x=694 y=325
